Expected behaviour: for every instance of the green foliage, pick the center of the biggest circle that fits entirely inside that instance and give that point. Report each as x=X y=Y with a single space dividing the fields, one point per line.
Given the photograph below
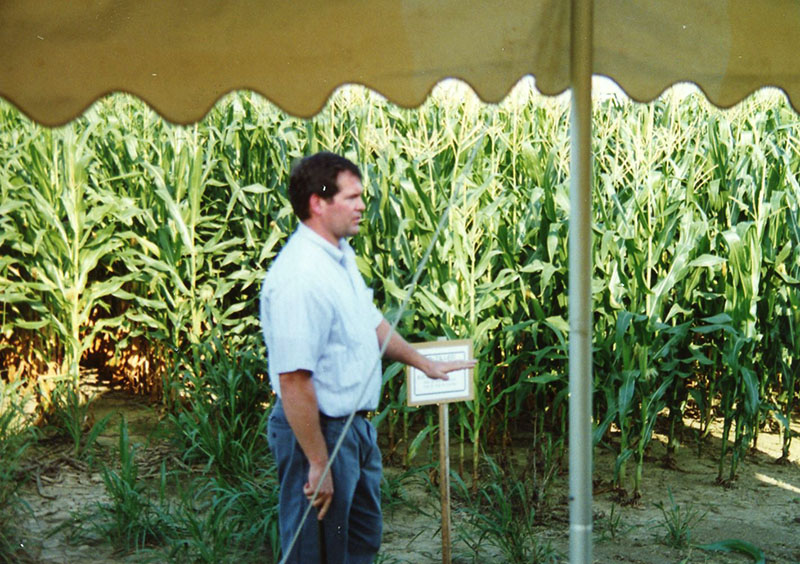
x=736 y=545
x=504 y=515
x=15 y=437
x=609 y=526
x=222 y=522
x=230 y=513
x=133 y=518
x=678 y=522
x=70 y=418
x=221 y=419
x=155 y=236
x=65 y=231
x=393 y=489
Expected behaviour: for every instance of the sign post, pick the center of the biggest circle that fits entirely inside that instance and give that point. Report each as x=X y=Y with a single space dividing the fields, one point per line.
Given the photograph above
x=426 y=391
x=444 y=479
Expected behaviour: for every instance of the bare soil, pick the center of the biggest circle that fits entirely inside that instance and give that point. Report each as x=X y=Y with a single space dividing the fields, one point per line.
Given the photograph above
x=762 y=506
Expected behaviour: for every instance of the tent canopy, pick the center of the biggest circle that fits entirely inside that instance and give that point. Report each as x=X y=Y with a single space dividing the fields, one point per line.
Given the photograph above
x=181 y=57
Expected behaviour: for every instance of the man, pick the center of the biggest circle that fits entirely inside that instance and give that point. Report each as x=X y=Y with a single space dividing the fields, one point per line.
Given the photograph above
x=323 y=336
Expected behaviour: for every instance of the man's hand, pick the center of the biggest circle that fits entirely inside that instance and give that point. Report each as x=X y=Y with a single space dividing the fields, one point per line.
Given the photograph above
x=398 y=349
x=325 y=495
x=438 y=370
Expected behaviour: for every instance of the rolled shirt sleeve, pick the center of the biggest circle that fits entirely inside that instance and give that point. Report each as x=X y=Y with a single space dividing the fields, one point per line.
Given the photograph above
x=300 y=327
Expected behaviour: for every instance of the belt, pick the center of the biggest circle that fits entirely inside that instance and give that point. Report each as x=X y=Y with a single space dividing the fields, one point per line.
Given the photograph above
x=359 y=413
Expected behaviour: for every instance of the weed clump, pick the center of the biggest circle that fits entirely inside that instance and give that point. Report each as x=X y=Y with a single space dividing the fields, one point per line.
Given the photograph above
x=678 y=522
x=505 y=513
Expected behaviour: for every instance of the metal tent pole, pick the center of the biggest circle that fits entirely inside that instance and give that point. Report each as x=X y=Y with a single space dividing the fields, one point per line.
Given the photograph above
x=580 y=282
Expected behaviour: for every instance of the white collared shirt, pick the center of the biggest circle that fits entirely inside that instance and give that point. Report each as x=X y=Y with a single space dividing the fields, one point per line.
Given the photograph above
x=317 y=314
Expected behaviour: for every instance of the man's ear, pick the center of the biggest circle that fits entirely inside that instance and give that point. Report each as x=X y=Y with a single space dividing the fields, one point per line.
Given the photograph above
x=315 y=204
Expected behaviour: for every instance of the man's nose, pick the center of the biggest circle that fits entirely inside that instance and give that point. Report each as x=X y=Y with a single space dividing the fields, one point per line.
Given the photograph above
x=361 y=206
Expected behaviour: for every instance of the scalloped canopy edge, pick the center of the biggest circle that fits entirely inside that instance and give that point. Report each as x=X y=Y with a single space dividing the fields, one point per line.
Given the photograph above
x=181 y=58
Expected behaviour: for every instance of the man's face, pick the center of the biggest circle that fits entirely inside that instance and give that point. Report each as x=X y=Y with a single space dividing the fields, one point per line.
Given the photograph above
x=341 y=214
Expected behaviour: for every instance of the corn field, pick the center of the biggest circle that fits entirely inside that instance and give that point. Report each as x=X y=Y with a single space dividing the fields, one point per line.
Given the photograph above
x=128 y=244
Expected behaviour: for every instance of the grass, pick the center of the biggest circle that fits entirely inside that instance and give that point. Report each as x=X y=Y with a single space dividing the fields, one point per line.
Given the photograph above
x=221 y=522
x=217 y=500
x=227 y=513
x=222 y=413
x=218 y=505
x=70 y=417
x=503 y=514
x=677 y=522
x=134 y=517
x=394 y=486
x=607 y=527
x=15 y=438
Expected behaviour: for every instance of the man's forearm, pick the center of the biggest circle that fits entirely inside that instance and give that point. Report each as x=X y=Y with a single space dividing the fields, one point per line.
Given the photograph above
x=302 y=412
x=398 y=349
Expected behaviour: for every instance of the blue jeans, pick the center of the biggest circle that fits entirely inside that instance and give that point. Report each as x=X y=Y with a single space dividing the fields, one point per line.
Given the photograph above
x=353 y=524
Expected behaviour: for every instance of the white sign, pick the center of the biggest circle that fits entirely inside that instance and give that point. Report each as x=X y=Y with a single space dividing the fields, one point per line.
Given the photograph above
x=424 y=391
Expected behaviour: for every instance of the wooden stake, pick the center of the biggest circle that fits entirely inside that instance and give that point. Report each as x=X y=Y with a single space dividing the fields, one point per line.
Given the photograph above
x=444 y=479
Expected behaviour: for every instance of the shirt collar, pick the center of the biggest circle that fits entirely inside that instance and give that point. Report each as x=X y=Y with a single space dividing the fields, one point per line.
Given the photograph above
x=312 y=236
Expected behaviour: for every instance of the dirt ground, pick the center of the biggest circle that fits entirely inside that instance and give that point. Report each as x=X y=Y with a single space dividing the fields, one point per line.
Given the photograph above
x=762 y=506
